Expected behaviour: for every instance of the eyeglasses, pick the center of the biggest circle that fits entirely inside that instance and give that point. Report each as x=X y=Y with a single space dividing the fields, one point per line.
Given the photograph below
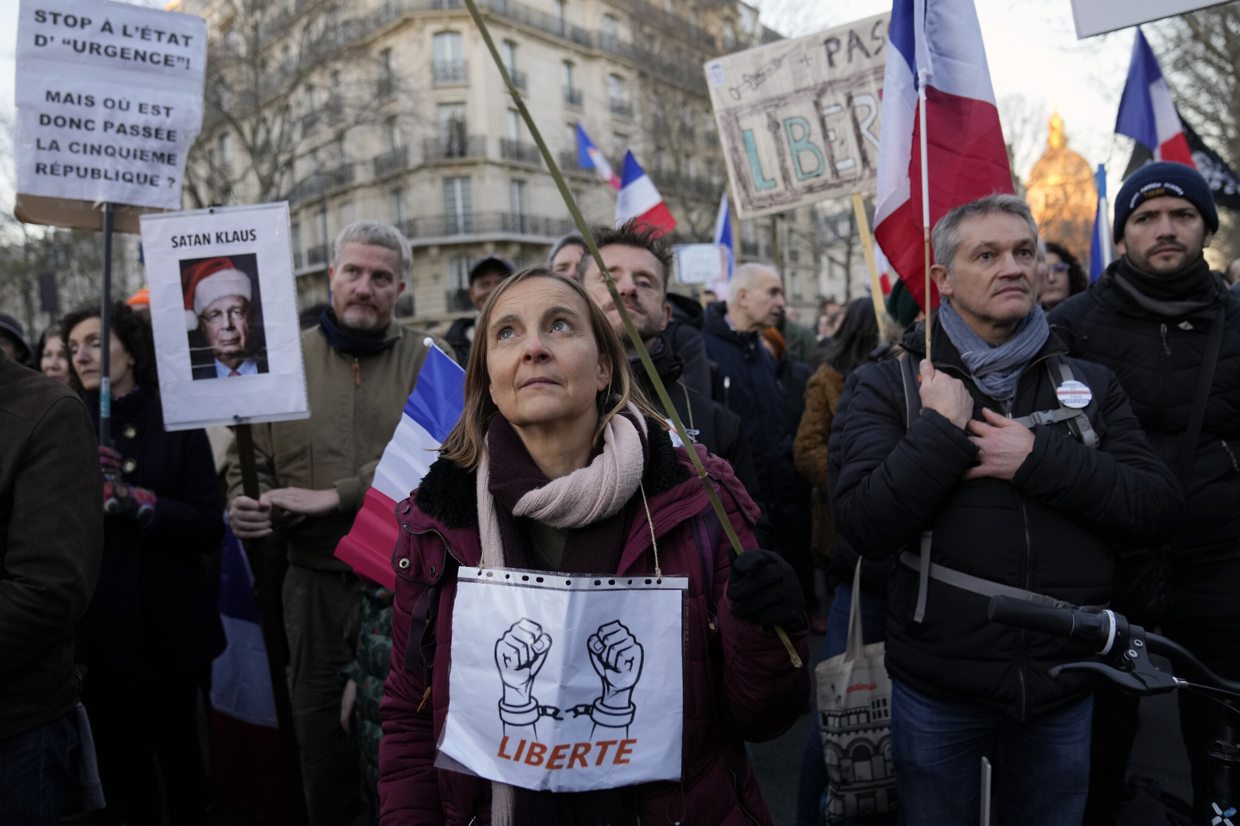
x=1060 y=267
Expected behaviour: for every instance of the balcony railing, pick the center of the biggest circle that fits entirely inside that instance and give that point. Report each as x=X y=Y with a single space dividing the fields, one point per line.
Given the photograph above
x=749 y=248
x=621 y=108
x=485 y=223
x=394 y=160
x=316 y=255
x=445 y=72
x=519 y=151
x=573 y=97
x=298 y=258
x=453 y=147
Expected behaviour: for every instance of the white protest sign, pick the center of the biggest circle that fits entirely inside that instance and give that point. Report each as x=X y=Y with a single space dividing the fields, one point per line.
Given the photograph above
x=109 y=100
x=565 y=683
x=1099 y=16
x=799 y=119
x=700 y=263
x=224 y=310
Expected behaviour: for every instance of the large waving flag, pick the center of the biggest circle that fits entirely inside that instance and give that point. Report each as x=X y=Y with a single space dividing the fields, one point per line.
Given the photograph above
x=723 y=231
x=640 y=200
x=590 y=156
x=1101 y=250
x=430 y=413
x=1146 y=110
x=937 y=42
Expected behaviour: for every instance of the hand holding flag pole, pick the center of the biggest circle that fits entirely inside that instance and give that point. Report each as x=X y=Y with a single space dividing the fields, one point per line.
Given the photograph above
x=638 y=345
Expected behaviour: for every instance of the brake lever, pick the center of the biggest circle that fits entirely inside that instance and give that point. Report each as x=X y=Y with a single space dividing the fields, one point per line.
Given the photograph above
x=1141 y=681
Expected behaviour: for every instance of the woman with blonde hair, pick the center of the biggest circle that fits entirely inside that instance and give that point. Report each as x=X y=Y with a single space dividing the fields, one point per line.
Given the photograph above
x=555 y=465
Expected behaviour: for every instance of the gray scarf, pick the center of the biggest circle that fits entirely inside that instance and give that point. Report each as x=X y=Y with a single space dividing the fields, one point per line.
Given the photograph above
x=996 y=370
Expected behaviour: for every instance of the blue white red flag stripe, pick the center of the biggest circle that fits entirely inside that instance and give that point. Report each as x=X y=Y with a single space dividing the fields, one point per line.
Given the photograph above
x=640 y=200
x=1100 y=248
x=723 y=231
x=590 y=156
x=429 y=415
x=966 y=154
x=240 y=679
x=1147 y=111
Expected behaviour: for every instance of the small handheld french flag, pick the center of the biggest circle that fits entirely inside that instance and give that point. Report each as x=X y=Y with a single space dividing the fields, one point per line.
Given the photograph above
x=590 y=157
x=430 y=413
x=723 y=231
x=1147 y=111
x=639 y=199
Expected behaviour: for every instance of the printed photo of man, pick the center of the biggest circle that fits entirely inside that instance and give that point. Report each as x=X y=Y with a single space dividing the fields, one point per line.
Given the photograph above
x=221 y=317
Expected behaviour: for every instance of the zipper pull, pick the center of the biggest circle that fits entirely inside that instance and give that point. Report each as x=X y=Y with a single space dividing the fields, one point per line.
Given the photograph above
x=1162 y=328
x=357 y=373
x=426 y=700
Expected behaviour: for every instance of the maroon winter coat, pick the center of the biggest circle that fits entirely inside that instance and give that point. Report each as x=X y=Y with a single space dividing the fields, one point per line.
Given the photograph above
x=738 y=681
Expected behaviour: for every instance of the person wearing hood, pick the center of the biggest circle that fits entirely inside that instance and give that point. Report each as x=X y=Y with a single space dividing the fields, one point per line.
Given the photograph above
x=13 y=340
x=969 y=494
x=1170 y=329
x=641 y=266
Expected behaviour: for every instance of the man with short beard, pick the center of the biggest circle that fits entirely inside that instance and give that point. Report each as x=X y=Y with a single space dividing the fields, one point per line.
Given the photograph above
x=361 y=365
x=1170 y=330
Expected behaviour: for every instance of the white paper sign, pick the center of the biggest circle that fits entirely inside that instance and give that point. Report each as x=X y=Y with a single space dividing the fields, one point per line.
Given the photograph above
x=799 y=119
x=109 y=100
x=1098 y=16
x=565 y=683
x=700 y=263
x=224 y=310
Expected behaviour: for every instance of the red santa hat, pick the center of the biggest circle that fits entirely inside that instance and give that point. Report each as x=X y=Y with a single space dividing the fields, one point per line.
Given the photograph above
x=209 y=281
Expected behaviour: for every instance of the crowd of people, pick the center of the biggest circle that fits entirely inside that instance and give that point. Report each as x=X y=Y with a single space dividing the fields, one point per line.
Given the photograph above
x=1047 y=439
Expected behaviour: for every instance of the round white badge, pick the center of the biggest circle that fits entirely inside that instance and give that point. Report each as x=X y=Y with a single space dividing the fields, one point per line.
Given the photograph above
x=1074 y=394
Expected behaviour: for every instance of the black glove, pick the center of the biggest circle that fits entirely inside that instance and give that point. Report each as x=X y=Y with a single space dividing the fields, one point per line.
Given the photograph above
x=764 y=590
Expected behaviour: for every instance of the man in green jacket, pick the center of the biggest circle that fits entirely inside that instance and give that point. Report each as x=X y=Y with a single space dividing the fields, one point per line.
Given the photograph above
x=360 y=367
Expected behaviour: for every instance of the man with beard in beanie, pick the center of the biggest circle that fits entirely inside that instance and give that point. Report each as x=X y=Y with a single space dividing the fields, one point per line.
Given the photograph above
x=1170 y=330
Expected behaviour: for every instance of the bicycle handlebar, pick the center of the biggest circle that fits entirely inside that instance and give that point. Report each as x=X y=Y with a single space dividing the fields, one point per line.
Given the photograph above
x=1094 y=627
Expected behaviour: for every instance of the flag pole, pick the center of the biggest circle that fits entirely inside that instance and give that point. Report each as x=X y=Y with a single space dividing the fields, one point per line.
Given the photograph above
x=925 y=198
x=867 y=247
x=1104 y=210
x=634 y=337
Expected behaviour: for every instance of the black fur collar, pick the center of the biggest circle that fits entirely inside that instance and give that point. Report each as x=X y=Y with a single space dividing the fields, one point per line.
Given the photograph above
x=449 y=494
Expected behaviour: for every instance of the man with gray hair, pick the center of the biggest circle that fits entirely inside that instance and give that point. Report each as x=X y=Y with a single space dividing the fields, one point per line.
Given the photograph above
x=361 y=365
x=998 y=466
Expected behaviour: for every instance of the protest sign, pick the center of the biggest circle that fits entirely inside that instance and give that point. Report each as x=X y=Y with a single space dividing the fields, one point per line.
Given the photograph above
x=224 y=309
x=700 y=263
x=109 y=100
x=562 y=683
x=799 y=119
x=1099 y=16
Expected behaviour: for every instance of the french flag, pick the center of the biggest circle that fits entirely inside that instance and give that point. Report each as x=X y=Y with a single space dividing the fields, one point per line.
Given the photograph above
x=590 y=157
x=430 y=413
x=937 y=42
x=640 y=200
x=723 y=231
x=1101 y=250
x=1146 y=110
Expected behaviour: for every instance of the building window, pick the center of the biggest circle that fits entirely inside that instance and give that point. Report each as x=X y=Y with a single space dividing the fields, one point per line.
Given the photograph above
x=561 y=15
x=347 y=213
x=391 y=130
x=458 y=207
x=516 y=204
x=611 y=27
x=618 y=96
x=459 y=268
x=568 y=80
x=514 y=125
x=508 y=53
x=452 y=129
x=396 y=206
x=448 y=54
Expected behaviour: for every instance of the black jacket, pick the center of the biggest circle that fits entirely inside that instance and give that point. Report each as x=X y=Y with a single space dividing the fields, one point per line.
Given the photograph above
x=458 y=337
x=708 y=422
x=1158 y=360
x=51 y=541
x=745 y=382
x=684 y=336
x=153 y=606
x=1051 y=529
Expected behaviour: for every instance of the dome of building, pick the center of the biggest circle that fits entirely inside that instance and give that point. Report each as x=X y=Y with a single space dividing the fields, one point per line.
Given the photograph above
x=1062 y=194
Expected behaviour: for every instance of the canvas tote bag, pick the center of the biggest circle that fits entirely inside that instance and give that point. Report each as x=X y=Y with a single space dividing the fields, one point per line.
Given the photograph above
x=854 y=706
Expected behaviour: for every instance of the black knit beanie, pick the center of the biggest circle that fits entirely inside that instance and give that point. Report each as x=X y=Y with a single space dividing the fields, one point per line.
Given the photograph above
x=1163 y=178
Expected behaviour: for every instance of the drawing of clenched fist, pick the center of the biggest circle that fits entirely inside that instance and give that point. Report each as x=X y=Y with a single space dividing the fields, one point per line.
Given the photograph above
x=617 y=659
x=519 y=655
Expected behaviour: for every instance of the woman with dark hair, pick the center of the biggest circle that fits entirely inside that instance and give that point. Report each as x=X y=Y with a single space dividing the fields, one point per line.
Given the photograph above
x=152 y=629
x=52 y=355
x=556 y=465
x=854 y=345
x=1064 y=276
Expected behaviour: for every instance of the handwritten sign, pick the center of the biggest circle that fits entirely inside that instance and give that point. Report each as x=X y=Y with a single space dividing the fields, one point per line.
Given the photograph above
x=224 y=311
x=109 y=100
x=562 y=683
x=1099 y=16
x=799 y=119
x=700 y=263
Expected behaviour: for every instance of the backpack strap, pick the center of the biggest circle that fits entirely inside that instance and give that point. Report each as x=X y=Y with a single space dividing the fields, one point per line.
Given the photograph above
x=1060 y=372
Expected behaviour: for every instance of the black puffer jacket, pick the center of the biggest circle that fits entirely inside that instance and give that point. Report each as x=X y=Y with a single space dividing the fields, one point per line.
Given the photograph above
x=1050 y=530
x=1158 y=360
